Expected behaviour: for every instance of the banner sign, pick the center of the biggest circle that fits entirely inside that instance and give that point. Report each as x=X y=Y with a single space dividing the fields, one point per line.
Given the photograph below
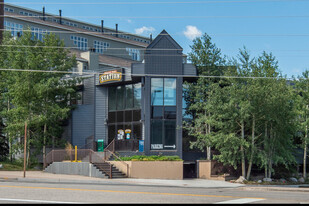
x=111 y=76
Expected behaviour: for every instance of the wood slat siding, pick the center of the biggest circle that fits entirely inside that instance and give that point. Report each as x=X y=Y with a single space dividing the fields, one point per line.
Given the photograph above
x=88 y=93
x=101 y=112
x=82 y=124
x=189 y=69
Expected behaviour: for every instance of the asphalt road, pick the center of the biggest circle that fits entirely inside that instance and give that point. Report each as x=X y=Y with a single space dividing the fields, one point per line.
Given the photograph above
x=20 y=192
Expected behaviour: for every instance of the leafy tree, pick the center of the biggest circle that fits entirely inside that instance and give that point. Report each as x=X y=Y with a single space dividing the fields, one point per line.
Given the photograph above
x=209 y=61
x=302 y=109
x=38 y=98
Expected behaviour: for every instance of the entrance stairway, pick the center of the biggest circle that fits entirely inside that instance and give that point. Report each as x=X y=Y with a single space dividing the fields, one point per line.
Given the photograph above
x=105 y=166
x=100 y=160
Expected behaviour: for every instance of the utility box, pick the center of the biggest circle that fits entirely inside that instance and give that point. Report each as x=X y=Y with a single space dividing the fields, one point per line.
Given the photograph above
x=100 y=145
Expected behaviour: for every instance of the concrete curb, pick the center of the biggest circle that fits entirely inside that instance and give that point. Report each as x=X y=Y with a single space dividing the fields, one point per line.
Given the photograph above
x=276 y=188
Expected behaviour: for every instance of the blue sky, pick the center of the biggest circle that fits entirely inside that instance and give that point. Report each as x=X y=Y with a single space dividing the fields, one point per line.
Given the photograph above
x=277 y=26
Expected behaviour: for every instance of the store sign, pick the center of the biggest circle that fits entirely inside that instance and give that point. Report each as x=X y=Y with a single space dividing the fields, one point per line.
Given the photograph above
x=111 y=76
x=156 y=146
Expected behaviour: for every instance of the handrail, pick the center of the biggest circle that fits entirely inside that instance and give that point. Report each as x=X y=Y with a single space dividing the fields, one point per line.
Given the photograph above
x=112 y=146
x=97 y=158
x=62 y=154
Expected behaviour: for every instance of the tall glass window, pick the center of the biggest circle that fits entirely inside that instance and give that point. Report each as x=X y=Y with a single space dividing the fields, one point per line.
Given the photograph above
x=170 y=91
x=137 y=95
x=157 y=91
x=124 y=110
x=163 y=114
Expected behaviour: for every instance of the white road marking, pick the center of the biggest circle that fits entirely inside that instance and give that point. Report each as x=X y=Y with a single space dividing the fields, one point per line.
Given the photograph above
x=38 y=201
x=239 y=201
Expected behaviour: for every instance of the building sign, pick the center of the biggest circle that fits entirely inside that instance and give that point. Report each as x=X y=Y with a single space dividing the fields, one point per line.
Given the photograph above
x=120 y=134
x=156 y=146
x=141 y=145
x=111 y=76
x=128 y=133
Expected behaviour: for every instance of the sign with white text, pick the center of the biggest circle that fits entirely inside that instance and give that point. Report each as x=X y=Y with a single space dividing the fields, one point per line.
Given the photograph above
x=111 y=76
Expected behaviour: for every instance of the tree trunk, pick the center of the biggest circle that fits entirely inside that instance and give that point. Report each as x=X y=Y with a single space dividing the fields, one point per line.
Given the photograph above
x=265 y=145
x=305 y=153
x=252 y=148
x=44 y=146
x=209 y=147
x=243 y=161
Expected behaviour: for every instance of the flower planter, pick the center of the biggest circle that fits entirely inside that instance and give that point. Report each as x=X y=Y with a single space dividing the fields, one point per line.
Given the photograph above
x=151 y=169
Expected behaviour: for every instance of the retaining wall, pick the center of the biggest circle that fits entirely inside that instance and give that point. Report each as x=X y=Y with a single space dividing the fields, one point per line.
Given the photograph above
x=152 y=169
x=75 y=168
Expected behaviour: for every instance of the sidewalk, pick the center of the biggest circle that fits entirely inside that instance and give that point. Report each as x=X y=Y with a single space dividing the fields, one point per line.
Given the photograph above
x=44 y=177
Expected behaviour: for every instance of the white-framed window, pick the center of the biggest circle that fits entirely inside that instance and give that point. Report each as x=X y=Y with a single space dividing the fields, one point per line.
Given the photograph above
x=100 y=46
x=80 y=42
x=14 y=28
x=38 y=33
x=134 y=53
x=8 y=9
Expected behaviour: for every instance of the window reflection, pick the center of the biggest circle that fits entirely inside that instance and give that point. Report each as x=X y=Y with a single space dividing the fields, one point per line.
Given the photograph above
x=163 y=114
x=157 y=91
x=170 y=91
x=137 y=95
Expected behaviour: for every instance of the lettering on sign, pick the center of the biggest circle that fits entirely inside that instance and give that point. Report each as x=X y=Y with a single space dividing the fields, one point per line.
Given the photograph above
x=157 y=146
x=113 y=75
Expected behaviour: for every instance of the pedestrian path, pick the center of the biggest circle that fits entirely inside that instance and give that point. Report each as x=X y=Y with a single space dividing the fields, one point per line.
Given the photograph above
x=40 y=177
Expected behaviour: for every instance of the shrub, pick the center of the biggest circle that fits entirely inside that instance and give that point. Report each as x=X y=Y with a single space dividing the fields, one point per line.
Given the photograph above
x=150 y=158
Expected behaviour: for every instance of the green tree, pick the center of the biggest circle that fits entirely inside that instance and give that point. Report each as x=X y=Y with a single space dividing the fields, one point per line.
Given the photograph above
x=209 y=61
x=38 y=98
x=302 y=109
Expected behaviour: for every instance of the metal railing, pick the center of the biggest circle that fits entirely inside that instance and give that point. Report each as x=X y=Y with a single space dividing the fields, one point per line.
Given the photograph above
x=67 y=155
x=85 y=155
x=109 y=151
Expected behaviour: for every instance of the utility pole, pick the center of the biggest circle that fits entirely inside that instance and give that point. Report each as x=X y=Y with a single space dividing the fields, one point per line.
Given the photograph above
x=25 y=149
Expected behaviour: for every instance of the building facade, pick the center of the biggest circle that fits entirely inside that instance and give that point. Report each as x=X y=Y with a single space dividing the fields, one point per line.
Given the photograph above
x=141 y=104
x=132 y=90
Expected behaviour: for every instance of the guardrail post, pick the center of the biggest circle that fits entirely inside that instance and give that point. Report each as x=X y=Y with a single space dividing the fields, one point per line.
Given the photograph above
x=90 y=154
x=127 y=170
x=52 y=156
x=110 y=170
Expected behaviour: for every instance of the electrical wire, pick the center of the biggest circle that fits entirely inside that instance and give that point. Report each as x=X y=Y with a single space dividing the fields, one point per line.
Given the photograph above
x=146 y=75
x=158 y=2
x=160 y=17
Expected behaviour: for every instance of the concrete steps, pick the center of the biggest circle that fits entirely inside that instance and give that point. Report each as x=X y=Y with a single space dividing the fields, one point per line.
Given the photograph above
x=105 y=166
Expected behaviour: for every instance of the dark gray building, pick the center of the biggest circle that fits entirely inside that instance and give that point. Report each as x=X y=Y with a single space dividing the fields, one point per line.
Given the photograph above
x=137 y=105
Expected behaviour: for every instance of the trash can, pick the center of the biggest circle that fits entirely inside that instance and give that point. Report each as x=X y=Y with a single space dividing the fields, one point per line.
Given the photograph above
x=100 y=145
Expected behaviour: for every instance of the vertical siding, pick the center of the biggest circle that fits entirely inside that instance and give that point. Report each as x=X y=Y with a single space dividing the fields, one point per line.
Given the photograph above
x=82 y=124
x=83 y=115
x=101 y=111
x=88 y=93
x=164 y=58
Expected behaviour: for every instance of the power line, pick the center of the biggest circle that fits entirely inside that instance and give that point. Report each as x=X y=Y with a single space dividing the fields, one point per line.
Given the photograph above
x=158 y=2
x=113 y=33
x=163 y=17
x=147 y=75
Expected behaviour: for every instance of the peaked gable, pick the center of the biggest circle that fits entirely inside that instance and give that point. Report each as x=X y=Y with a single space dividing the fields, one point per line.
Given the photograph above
x=169 y=42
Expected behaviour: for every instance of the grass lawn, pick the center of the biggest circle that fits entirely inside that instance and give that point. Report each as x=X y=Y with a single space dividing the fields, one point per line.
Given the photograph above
x=14 y=166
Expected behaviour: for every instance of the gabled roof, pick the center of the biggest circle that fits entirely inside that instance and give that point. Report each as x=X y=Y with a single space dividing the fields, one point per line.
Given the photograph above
x=105 y=59
x=162 y=35
x=73 y=30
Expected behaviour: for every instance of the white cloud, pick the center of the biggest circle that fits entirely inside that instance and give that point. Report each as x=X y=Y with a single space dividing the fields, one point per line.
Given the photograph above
x=192 y=32
x=144 y=30
x=129 y=21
